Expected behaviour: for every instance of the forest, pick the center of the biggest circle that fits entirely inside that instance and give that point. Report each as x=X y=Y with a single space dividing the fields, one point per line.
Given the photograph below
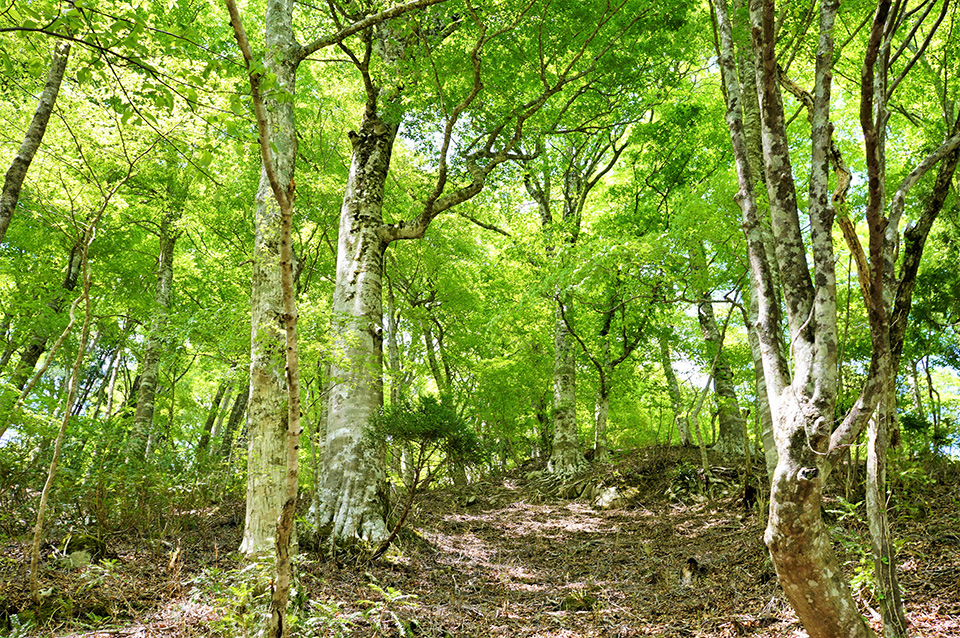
x=542 y=318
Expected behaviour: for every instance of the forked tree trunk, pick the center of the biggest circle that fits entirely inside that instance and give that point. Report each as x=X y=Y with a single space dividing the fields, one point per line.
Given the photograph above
x=802 y=404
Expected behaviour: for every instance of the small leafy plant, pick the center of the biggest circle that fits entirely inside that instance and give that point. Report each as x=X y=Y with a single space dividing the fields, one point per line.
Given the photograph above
x=435 y=434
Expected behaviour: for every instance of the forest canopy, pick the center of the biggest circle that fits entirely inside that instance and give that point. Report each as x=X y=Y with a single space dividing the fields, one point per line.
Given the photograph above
x=238 y=241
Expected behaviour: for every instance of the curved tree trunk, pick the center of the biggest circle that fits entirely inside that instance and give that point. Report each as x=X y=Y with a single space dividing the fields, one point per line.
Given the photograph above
x=17 y=173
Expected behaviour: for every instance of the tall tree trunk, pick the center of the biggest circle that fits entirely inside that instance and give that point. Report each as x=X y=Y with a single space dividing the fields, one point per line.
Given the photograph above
x=676 y=398
x=353 y=495
x=267 y=409
x=567 y=457
x=155 y=342
x=729 y=441
x=17 y=173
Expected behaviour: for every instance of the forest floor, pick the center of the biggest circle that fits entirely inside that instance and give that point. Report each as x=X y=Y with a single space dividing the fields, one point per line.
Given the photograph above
x=507 y=559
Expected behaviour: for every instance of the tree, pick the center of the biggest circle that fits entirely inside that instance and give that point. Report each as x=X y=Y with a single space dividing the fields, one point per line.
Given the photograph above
x=802 y=399
x=13 y=180
x=267 y=409
x=490 y=127
x=583 y=161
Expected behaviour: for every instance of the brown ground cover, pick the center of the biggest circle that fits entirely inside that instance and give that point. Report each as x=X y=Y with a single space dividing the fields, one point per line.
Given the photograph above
x=507 y=559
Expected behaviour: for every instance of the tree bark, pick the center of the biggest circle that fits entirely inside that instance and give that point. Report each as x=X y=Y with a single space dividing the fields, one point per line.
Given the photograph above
x=802 y=403
x=155 y=342
x=729 y=441
x=267 y=418
x=676 y=398
x=353 y=495
x=17 y=173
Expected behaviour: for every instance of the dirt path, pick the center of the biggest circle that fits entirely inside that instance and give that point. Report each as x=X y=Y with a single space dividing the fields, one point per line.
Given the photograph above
x=514 y=562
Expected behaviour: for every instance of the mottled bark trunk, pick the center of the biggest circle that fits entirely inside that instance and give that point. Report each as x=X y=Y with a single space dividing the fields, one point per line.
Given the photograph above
x=267 y=417
x=566 y=458
x=676 y=398
x=729 y=441
x=353 y=496
x=17 y=173
x=154 y=344
x=802 y=406
x=797 y=538
x=601 y=448
x=763 y=402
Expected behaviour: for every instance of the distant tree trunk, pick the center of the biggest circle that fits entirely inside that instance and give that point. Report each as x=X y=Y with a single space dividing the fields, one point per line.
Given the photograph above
x=17 y=173
x=204 y=444
x=155 y=341
x=236 y=416
x=37 y=343
x=441 y=379
x=729 y=442
x=676 y=398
